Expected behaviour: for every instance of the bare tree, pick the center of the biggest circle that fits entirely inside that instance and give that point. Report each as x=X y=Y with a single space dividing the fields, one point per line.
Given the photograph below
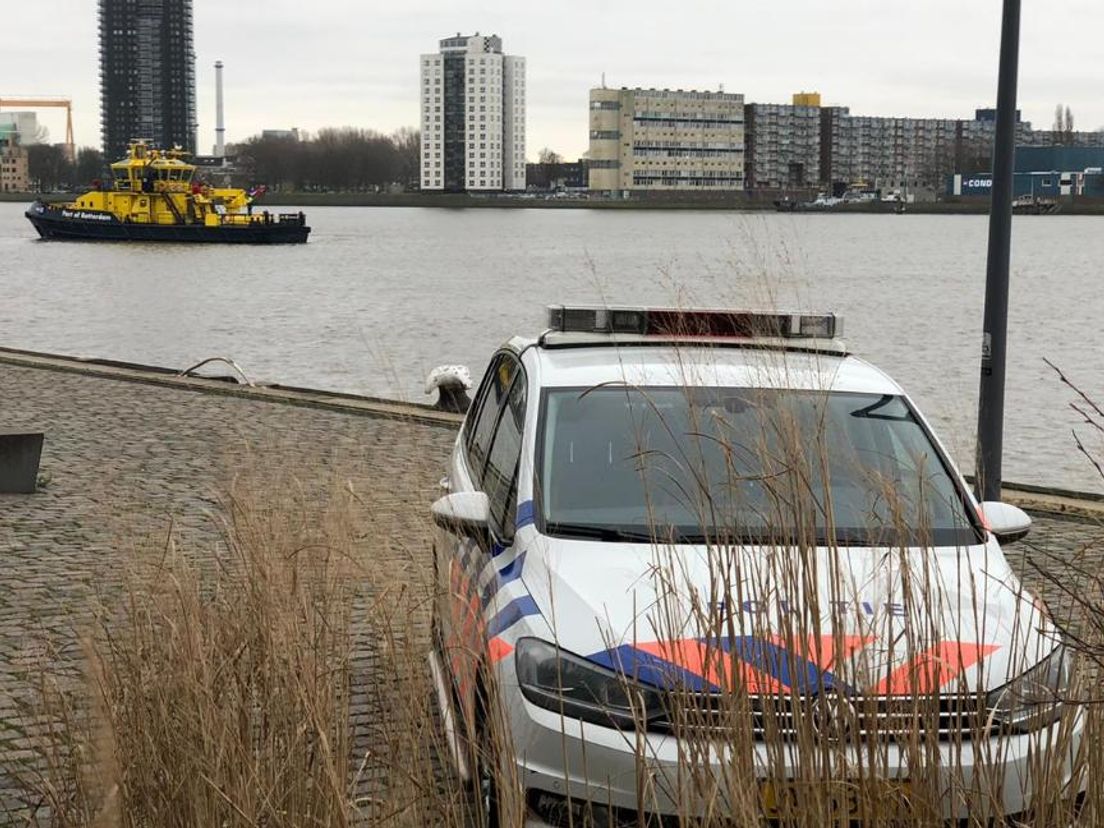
x=1063 y=125
x=408 y=144
x=90 y=165
x=335 y=159
x=548 y=156
x=47 y=166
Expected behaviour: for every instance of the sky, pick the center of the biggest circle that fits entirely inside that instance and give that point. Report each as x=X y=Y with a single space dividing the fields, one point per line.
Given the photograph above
x=355 y=63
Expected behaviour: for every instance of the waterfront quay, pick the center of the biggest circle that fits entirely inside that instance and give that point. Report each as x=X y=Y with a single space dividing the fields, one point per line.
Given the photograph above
x=133 y=453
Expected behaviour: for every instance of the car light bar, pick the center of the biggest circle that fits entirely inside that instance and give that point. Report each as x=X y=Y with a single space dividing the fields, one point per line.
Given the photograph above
x=690 y=323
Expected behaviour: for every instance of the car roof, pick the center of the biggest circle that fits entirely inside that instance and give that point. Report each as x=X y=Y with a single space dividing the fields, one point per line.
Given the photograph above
x=705 y=365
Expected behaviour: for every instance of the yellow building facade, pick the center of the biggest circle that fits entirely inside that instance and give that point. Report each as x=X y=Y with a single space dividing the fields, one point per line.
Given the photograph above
x=665 y=140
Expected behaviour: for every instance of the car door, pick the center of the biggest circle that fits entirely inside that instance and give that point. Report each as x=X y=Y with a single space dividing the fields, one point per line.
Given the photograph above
x=486 y=459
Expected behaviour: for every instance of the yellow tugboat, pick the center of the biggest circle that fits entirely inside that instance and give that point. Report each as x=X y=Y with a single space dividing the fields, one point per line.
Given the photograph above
x=153 y=197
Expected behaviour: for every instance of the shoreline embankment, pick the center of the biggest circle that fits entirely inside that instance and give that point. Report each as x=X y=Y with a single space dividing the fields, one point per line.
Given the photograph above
x=737 y=202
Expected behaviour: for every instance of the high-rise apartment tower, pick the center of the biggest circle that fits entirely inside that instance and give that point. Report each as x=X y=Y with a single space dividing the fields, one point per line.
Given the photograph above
x=473 y=116
x=147 y=74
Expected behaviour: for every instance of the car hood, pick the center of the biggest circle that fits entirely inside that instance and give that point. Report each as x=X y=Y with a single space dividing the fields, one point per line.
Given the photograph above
x=873 y=620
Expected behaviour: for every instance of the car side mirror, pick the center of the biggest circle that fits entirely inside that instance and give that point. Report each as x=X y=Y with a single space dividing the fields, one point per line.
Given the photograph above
x=464 y=513
x=1007 y=522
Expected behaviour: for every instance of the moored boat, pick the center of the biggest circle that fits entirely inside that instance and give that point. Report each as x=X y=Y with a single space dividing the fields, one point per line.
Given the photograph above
x=153 y=197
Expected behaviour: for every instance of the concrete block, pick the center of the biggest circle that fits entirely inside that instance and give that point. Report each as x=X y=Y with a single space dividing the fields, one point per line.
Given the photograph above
x=19 y=457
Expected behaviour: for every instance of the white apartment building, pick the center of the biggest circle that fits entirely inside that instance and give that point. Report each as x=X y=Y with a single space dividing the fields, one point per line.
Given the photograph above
x=473 y=116
x=665 y=140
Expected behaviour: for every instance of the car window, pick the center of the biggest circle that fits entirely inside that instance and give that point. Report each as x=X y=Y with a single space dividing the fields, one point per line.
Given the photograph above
x=500 y=475
x=492 y=394
x=753 y=465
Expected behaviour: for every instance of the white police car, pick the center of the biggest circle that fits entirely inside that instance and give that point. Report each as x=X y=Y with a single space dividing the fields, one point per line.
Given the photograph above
x=707 y=563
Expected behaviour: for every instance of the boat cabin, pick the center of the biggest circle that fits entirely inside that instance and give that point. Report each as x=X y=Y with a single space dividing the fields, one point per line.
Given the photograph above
x=150 y=170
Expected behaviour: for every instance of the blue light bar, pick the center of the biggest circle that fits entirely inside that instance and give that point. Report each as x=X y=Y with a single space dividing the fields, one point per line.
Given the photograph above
x=693 y=323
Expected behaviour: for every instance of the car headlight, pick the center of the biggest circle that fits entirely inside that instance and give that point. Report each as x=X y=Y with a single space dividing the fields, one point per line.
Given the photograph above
x=1033 y=700
x=556 y=680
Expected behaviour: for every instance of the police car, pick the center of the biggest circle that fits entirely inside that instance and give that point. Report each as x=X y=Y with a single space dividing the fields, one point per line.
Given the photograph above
x=656 y=515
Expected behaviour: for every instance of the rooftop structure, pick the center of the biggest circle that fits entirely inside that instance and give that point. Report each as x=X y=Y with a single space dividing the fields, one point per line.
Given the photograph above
x=284 y=134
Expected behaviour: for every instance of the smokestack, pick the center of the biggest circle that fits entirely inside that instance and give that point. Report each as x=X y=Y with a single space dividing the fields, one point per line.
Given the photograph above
x=220 y=124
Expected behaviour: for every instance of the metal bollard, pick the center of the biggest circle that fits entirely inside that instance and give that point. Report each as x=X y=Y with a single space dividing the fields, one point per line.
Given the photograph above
x=19 y=457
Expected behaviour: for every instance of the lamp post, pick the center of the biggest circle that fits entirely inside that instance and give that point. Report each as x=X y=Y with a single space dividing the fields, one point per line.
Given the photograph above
x=990 y=437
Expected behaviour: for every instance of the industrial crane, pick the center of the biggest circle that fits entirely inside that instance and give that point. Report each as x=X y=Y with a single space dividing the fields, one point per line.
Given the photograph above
x=38 y=103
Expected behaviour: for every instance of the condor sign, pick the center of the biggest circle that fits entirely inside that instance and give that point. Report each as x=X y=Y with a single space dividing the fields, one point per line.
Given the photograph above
x=976 y=184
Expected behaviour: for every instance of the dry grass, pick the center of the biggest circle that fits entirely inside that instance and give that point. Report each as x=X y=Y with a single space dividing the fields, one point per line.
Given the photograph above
x=225 y=686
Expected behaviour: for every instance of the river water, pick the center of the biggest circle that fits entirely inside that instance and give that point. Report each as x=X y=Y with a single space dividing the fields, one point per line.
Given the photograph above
x=381 y=295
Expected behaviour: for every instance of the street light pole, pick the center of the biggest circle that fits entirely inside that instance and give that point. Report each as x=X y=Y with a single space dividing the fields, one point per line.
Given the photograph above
x=995 y=337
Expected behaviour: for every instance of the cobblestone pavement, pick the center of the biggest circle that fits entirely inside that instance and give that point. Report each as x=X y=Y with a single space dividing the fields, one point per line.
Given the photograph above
x=124 y=457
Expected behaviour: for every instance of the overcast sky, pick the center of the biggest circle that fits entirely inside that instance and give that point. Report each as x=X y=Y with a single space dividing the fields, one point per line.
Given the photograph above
x=352 y=62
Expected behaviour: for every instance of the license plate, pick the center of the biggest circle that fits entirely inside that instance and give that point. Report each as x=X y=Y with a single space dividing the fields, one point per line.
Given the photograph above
x=872 y=802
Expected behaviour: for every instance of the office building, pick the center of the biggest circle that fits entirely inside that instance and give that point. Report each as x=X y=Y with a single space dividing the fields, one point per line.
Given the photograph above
x=147 y=74
x=473 y=116
x=665 y=140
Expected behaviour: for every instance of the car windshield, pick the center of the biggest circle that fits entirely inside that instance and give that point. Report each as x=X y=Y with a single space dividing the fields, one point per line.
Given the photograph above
x=690 y=465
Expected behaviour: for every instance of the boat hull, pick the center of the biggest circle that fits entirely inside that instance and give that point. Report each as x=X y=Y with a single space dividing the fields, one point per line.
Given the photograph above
x=82 y=225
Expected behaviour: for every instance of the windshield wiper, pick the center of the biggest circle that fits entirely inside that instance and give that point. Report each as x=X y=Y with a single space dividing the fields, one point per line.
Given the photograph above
x=869 y=412
x=603 y=533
